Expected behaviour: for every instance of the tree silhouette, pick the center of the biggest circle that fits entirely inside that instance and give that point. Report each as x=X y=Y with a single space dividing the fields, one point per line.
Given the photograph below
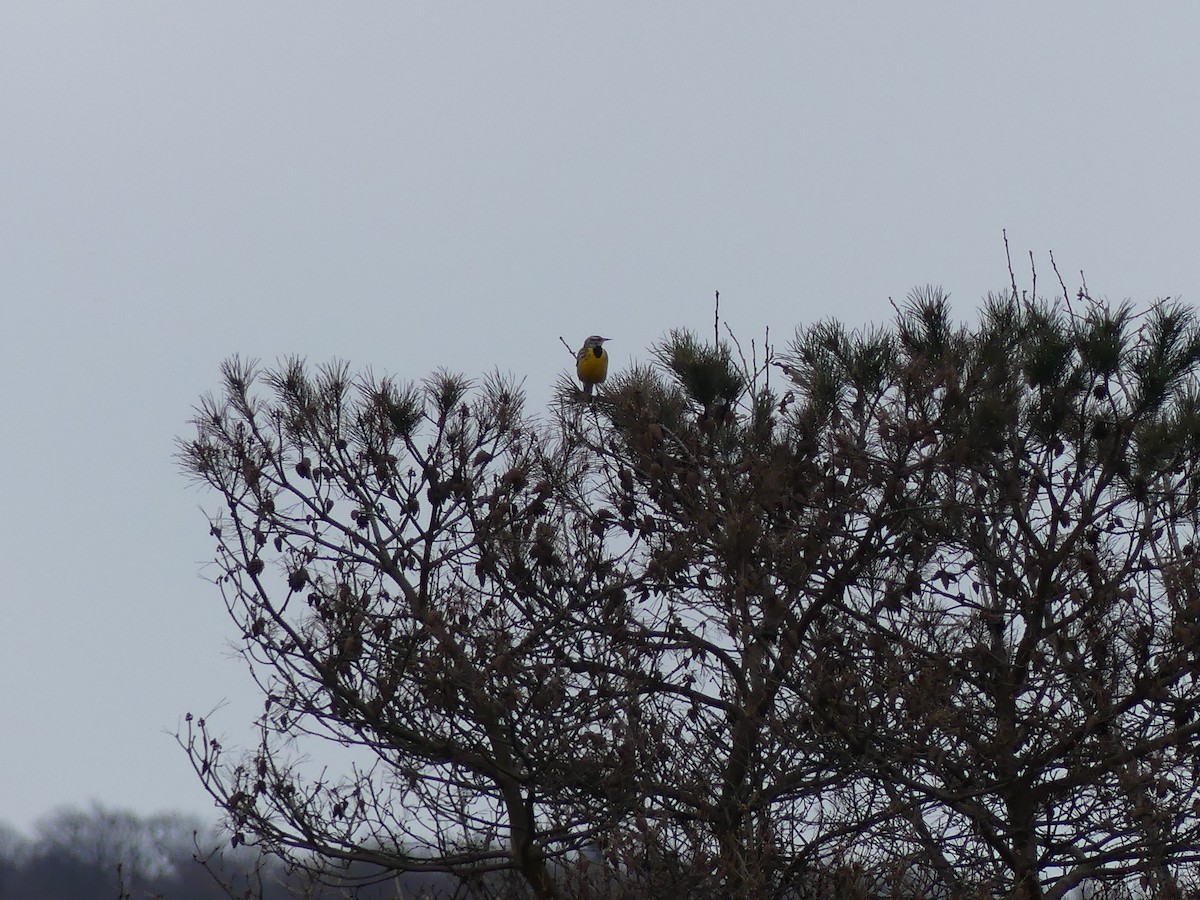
x=1028 y=696
x=907 y=609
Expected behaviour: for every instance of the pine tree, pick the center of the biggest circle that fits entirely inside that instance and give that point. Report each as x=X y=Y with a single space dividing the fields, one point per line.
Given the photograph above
x=909 y=609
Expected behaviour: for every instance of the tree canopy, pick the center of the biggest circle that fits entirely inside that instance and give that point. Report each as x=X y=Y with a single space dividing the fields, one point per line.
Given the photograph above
x=904 y=611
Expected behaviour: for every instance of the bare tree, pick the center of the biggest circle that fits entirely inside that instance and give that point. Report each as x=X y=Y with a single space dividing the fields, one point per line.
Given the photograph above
x=548 y=649
x=430 y=606
x=903 y=612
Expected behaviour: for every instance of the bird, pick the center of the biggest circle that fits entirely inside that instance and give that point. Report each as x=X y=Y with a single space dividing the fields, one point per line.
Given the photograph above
x=591 y=363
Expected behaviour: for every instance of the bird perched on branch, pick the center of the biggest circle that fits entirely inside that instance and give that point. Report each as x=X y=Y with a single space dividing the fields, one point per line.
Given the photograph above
x=591 y=363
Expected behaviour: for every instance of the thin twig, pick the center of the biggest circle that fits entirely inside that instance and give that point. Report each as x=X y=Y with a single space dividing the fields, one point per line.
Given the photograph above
x=716 y=318
x=1033 y=269
x=1062 y=284
x=767 y=357
x=738 y=345
x=1008 y=256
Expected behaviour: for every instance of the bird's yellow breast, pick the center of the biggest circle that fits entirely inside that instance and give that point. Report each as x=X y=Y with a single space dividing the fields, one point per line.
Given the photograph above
x=592 y=367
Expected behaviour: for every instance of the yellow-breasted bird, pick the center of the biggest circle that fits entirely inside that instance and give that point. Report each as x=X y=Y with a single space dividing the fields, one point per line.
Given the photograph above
x=591 y=363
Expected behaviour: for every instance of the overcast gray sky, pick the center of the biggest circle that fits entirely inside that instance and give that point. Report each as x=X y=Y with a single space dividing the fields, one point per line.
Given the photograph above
x=413 y=185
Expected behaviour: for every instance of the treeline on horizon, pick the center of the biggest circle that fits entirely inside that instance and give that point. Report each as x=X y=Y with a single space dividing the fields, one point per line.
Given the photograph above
x=98 y=853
